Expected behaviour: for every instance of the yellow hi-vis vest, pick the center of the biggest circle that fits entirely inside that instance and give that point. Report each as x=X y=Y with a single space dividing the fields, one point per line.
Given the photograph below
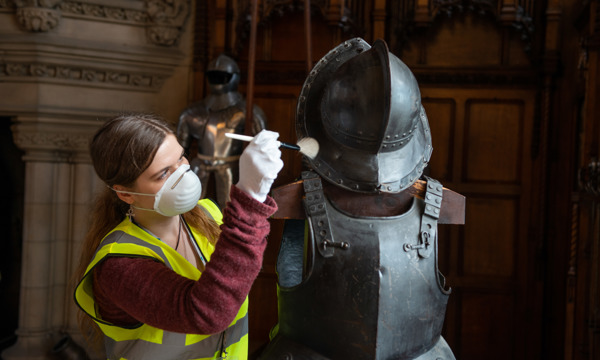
x=144 y=342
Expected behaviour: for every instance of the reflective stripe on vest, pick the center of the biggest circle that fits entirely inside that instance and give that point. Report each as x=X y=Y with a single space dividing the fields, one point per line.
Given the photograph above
x=234 y=341
x=137 y=342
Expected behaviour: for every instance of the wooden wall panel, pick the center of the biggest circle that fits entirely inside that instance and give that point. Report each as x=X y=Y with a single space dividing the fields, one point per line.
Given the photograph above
x=489 y=240
x=487 y=132
x=285 y=43
x=515 y=54
x=487 y=321
x=493 y=140
x=262 y=311
x=280 y=109
x=443 y=112
x=455 y=39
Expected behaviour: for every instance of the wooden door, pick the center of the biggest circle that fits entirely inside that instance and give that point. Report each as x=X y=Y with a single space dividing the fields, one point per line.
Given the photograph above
x=479 y=90
x=482 y=144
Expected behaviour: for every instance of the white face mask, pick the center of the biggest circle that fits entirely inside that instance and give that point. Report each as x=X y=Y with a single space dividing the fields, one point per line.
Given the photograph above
x=178 y=195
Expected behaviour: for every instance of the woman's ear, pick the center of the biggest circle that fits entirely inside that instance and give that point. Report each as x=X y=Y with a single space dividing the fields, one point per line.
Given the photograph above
x=124 y=196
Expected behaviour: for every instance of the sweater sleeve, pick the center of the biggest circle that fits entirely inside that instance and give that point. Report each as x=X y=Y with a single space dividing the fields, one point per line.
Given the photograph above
x=132 y=290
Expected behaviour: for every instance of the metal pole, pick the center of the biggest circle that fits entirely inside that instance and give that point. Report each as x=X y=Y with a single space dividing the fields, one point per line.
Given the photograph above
x=307 y=35
x=251 y=62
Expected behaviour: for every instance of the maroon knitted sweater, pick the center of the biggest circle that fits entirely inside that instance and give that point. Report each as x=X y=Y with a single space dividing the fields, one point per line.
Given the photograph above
x=130 y=291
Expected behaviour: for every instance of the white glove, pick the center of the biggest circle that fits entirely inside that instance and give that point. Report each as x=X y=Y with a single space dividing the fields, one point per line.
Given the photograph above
x=259 y=165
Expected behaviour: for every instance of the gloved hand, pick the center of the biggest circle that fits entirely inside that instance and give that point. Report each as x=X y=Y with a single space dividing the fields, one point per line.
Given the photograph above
x=259 y=165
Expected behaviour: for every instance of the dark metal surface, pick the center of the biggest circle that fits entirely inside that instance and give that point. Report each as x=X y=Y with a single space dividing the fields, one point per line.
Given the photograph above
x=363 y=105
x=373 y=300
x=358 y=266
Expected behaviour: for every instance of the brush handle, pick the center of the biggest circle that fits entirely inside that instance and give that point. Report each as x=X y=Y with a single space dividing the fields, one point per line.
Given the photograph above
x=249 y=138
x=289 y=146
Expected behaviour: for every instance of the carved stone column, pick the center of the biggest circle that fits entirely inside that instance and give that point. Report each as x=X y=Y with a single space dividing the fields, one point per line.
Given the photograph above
x=59 y=185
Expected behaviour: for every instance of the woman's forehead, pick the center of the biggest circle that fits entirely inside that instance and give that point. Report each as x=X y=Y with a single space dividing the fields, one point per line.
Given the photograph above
x=167 y=155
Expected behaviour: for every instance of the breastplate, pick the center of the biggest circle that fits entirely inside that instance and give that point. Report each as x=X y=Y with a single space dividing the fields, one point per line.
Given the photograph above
x=375 y=297
x=214 y=143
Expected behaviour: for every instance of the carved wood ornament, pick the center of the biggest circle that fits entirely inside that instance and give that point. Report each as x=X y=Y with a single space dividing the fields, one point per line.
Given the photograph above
x=337 y=13
x=407 y=16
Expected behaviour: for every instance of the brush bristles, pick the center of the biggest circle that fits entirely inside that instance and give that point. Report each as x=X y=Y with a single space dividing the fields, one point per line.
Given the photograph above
x=309 y=147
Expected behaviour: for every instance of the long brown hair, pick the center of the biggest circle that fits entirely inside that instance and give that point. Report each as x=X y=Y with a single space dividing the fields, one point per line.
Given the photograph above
x=121 y=150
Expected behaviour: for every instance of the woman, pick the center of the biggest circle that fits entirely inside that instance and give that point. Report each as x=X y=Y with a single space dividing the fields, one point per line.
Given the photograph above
x=163 y=275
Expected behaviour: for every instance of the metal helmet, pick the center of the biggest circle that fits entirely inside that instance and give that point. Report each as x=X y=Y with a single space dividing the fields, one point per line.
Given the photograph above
x=363 y=106
x=222 y=74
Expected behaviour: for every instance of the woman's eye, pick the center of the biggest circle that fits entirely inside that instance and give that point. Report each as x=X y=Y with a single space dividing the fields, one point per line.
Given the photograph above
x=164 y=174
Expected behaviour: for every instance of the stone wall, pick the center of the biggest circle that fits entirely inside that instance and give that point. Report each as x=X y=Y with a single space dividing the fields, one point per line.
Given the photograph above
x=65 y=66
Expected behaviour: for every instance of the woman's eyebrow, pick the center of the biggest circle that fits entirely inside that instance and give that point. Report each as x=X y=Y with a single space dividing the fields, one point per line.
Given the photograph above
x=160 y=172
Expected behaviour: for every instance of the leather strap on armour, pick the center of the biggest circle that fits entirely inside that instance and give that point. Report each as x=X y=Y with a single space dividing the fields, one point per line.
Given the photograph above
x=431 y=214
x=316 y=211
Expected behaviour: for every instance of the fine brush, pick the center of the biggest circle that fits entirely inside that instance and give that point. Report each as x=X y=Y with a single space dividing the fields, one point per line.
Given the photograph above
x=307 y=146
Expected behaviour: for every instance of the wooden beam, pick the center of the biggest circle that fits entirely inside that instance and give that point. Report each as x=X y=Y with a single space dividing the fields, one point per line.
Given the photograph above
x=289 y=200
